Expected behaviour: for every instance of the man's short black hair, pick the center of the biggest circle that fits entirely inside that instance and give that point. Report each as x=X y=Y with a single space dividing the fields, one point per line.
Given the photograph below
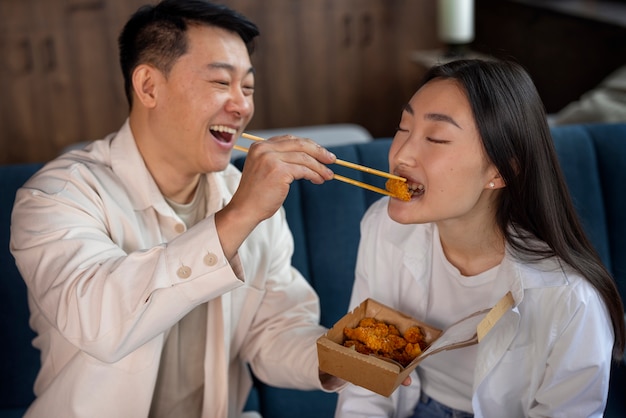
x=157 y=34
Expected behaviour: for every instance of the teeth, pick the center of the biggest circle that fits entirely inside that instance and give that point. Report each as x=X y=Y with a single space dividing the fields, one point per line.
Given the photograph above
x=222 y=128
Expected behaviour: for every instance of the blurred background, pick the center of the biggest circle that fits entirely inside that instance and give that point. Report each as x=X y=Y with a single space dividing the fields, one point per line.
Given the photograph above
x=318 y=62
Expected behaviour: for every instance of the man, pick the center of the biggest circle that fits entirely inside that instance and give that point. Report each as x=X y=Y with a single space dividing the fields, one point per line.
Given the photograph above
x=156 y=271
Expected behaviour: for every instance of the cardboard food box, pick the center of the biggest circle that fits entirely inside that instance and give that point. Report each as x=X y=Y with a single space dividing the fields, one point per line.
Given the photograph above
x=382 y=375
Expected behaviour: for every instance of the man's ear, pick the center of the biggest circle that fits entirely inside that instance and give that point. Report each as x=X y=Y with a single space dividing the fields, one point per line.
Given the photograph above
x=145 y=82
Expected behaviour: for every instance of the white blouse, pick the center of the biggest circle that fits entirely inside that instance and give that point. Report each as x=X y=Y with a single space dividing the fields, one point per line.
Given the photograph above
x=549 y=356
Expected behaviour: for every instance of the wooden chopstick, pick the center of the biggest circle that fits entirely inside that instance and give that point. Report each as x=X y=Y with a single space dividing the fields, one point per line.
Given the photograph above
x=240 y=148
x=342 y=162
x=342 y=178
x=363 y=185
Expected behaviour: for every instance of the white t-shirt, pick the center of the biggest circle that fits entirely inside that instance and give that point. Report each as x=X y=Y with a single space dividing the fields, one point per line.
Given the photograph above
x=448 y=376
x=180 y=382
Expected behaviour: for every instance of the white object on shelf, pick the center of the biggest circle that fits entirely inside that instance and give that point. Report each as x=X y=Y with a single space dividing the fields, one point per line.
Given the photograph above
x=455 y=23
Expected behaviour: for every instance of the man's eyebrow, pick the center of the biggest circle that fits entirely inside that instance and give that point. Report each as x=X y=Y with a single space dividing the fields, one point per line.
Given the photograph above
x=228 y=67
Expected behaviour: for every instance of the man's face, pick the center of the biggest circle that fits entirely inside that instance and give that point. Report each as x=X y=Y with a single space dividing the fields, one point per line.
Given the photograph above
x=203 y=104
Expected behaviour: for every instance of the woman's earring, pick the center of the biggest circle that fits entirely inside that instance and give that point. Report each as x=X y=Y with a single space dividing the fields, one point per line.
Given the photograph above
x=492 y=184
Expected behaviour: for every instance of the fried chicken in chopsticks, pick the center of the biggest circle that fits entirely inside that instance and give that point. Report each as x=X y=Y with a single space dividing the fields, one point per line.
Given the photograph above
x=399 y=189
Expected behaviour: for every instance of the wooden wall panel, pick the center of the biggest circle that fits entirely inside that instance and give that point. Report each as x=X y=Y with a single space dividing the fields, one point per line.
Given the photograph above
x=318 y=62
x=566 y=54
x=328 y=61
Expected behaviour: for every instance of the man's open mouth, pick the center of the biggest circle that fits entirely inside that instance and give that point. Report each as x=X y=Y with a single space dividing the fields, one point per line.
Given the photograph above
x=223 y=133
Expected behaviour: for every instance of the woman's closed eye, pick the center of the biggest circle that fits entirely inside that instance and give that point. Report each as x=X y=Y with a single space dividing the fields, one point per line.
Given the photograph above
x=437 y=141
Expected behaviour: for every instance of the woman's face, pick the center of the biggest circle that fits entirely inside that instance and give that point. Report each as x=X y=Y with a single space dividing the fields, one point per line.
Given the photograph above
x=438 y=149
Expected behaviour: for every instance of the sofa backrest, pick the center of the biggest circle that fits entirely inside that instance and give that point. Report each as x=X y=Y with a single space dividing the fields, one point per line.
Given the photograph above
x=325 y=219
x=20 y=362
x=325 y=224
x=593 y=159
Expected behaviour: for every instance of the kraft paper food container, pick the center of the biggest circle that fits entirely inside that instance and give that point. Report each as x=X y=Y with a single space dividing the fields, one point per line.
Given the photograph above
x=374 y=373
x=383 y=376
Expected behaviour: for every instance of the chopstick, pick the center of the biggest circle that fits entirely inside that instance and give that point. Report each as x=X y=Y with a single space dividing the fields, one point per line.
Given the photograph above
x=342 y=162
x=363 y=185
x=343 y=179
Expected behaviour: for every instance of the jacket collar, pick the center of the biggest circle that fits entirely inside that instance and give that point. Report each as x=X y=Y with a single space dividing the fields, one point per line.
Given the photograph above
x=128 y=164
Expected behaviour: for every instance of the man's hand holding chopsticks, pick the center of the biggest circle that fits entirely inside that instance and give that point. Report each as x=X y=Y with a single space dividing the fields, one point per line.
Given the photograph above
x=270 y=168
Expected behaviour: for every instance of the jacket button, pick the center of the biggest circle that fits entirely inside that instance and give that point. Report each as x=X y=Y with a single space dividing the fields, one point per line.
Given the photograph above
x=210 y=259
x=180 y=228
x=184 y=272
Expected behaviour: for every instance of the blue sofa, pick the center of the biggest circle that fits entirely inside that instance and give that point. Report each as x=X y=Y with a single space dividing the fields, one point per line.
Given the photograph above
x=325 y=223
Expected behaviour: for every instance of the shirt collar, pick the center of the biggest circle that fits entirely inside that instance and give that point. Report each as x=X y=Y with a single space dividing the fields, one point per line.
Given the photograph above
x=416 y=245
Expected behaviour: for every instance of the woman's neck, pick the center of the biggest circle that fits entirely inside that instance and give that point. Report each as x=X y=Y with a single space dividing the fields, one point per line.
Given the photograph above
x=472 y=249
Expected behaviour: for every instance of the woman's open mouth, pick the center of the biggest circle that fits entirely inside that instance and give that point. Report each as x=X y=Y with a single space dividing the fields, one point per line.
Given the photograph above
x=404 y=190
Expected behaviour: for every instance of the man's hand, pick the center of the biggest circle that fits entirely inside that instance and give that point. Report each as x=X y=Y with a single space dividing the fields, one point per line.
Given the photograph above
x=270 y=168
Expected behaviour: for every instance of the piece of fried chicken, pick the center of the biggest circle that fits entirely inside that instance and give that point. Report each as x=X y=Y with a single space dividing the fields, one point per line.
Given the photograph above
x=376 y=337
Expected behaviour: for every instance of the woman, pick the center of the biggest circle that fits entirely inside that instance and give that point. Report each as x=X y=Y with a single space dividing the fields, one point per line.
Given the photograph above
x=489 y=213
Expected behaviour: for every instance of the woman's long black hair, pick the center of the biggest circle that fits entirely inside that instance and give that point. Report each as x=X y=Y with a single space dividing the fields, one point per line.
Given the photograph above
x=512 y=123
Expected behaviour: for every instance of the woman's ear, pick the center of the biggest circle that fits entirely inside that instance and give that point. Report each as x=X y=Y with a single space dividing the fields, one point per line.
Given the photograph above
x=145 y=81
x=496 y=182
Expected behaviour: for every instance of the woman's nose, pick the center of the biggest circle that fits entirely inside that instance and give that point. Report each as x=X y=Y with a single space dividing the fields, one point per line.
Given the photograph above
x=406 y=153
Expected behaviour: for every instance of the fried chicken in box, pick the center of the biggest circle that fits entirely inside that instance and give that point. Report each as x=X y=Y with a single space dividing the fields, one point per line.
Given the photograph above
x=372 y=336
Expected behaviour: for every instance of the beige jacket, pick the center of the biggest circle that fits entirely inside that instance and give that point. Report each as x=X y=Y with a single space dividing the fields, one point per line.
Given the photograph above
x=110 y=268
